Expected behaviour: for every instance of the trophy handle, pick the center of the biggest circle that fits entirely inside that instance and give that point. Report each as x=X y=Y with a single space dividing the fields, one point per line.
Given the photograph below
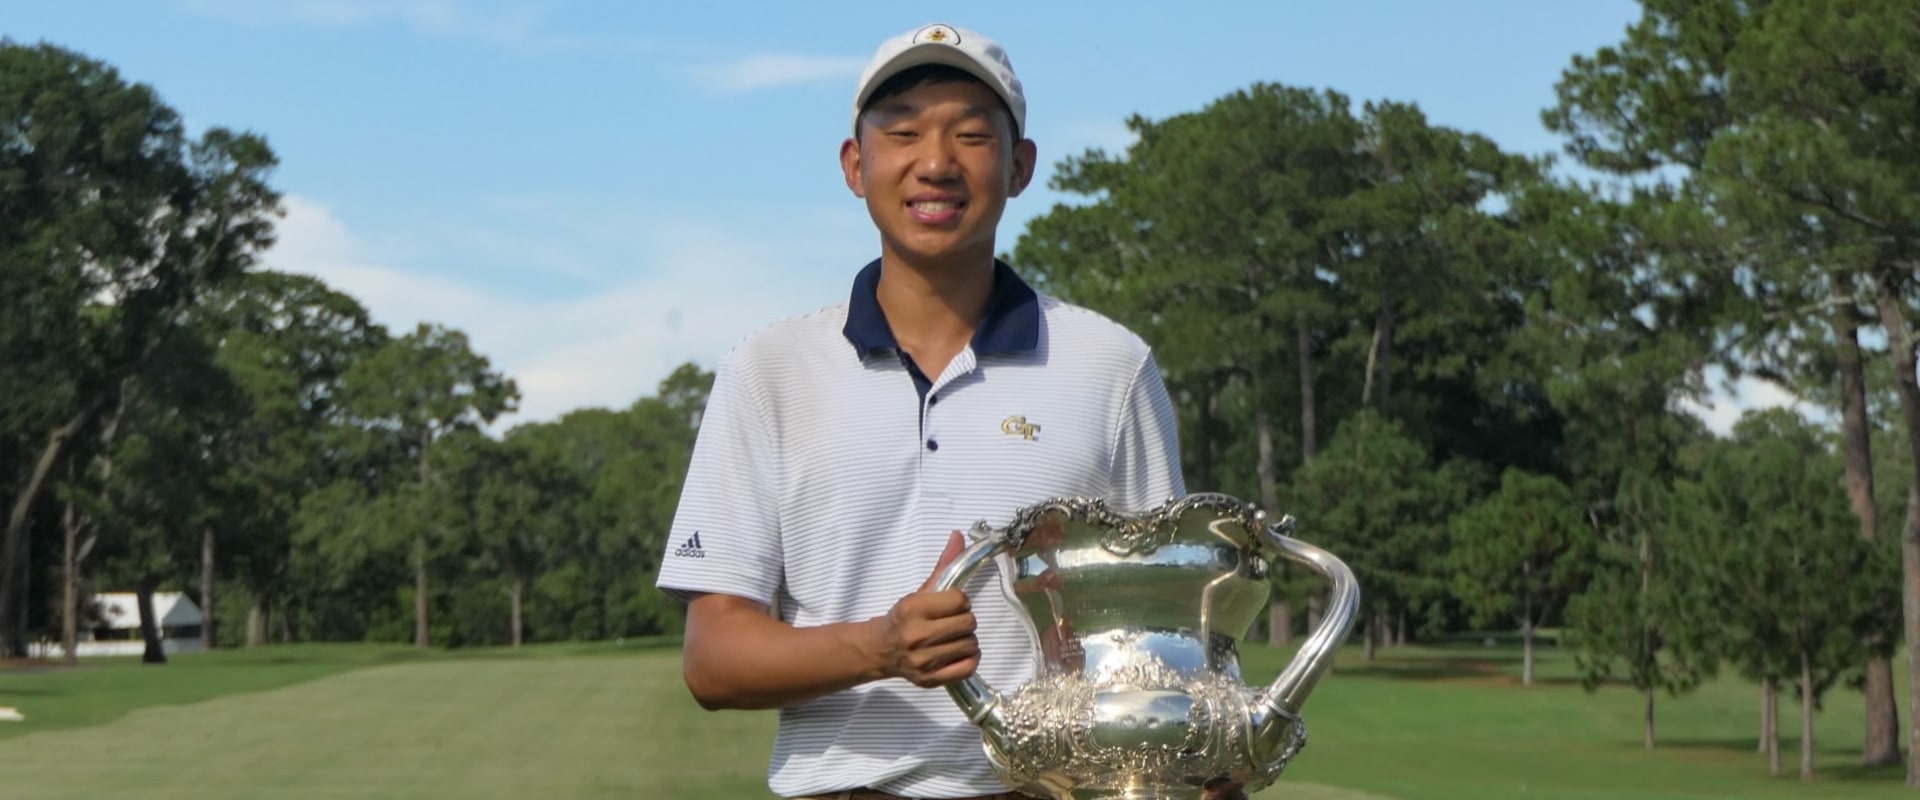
x=1289 y=691
x=975 y=698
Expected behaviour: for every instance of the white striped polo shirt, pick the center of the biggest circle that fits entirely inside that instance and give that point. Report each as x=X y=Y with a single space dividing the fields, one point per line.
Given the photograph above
x=828 y=475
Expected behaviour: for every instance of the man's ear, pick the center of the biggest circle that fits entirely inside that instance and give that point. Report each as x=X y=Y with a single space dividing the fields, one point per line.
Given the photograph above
x=1025 y=157
x=850 y=166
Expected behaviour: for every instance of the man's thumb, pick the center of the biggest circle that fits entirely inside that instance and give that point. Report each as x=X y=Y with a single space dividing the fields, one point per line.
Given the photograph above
x=955 y=545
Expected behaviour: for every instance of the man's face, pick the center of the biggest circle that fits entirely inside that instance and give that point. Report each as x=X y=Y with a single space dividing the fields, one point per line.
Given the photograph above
x=936 y=167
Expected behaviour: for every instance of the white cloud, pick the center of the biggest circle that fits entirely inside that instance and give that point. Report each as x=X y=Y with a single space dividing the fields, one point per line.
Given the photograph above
x=1724 y=407
x=776 y=70
x=698 y=290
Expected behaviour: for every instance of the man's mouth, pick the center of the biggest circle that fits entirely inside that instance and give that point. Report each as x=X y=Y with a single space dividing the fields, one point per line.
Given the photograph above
x=936 y=211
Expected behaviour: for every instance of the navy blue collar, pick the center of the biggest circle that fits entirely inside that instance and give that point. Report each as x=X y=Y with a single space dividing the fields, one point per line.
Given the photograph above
x=1011 y=322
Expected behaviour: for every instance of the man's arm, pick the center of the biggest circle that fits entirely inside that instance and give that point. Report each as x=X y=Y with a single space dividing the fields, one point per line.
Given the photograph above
x=737 y=656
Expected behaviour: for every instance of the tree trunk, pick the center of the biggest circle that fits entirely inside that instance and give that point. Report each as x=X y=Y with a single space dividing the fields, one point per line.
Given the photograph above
x=155 y=652
x=1648 y=738
x=420 y=634
x=1806 y=716
x=1900 y=345
x=1380 y=354
x=1526 y=637
x=70 y=587
x=1280 y=623
x=1303 y=341
x=420 y=637
x=1373 y=635
x=257 y=622
x=1309 y=441
x=1400 y=634
x=1646 y=591
x=1279 y=610
x=1770 y=723
x=1883 y=713
x=1209 y=440
x=519 y=592
x=206 y=589
x=13 y=557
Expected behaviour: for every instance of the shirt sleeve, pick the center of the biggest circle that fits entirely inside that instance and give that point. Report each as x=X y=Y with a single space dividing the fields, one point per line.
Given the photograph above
x=725 y=536
x=1146 y=455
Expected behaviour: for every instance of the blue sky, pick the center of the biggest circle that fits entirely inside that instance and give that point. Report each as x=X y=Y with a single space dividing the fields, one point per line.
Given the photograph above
x=597 y=192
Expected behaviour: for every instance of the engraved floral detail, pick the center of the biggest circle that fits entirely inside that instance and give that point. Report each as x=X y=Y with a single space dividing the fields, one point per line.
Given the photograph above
x=1049 y=735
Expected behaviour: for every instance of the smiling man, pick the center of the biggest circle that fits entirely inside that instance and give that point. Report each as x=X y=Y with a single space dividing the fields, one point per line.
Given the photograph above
x=841 y=451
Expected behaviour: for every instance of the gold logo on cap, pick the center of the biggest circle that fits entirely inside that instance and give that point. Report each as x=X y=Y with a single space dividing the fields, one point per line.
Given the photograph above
x=938 y=34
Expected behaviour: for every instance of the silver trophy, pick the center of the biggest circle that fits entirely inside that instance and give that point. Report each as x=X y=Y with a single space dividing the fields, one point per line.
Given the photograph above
x=1139 y=620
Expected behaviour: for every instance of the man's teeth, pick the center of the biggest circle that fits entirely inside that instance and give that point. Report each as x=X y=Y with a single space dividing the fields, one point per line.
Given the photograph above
x=936 y=207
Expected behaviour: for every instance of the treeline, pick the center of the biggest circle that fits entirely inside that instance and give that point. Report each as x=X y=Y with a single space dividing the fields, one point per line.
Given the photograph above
x=178 y=416
x=1468 y=371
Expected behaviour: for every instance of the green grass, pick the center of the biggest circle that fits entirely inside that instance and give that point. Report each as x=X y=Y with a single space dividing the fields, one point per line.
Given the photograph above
x=604 y=721
x=103 y=690
x=1456 y=723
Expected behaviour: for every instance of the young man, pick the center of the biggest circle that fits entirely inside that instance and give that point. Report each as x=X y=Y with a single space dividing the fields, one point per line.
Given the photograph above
x=842 y=451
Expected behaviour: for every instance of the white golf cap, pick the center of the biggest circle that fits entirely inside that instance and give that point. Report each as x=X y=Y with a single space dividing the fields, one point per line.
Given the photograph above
x=949 y=46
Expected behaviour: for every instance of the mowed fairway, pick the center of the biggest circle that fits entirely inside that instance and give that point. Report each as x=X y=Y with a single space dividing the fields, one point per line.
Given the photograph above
x=560 y=723
x=585 y=727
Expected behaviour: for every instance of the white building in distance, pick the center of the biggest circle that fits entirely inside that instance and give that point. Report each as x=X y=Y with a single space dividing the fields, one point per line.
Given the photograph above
x=116 y=626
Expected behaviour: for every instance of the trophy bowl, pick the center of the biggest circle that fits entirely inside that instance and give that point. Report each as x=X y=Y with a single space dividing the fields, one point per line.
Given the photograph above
x=1138 y=621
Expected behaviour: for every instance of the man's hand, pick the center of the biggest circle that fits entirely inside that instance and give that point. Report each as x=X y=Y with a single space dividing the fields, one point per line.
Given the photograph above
x=927 y=637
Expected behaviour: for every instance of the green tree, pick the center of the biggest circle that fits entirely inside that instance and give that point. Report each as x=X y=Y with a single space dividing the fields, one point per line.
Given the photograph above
x=1274 y=233
x=420 y=387
x=285 y=341
x=1641 y=614
x=1521 y=553
x=1827 y=164
x=1374 y=497
x=1795 y=591
x=1792 y=123
x=115 y=224
x=163 y=492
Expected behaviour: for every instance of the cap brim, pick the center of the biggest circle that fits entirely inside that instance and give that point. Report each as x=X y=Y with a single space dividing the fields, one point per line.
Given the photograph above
x=921 y=55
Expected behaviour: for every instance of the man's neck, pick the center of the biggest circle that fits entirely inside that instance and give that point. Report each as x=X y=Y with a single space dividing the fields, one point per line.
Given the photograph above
x=934 y=312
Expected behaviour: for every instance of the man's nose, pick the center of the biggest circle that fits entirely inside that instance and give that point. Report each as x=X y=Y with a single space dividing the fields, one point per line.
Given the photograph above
x=935 y=161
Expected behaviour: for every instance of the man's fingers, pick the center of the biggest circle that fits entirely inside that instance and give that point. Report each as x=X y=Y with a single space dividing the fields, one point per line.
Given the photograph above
x=936 y=657
x=956 y=670
x=940 y=631
x=955 y=545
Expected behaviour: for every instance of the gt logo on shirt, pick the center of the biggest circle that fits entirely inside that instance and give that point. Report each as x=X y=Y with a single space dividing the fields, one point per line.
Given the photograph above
x=691 y=548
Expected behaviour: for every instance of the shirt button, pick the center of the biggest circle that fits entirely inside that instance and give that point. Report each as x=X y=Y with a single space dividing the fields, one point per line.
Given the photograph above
x=932 y=445
x=933 y=400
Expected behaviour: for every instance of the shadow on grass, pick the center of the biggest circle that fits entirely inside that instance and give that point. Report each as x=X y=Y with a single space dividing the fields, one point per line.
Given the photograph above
x=1437 y=671
x=1849 y=770
x=1891 y=773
